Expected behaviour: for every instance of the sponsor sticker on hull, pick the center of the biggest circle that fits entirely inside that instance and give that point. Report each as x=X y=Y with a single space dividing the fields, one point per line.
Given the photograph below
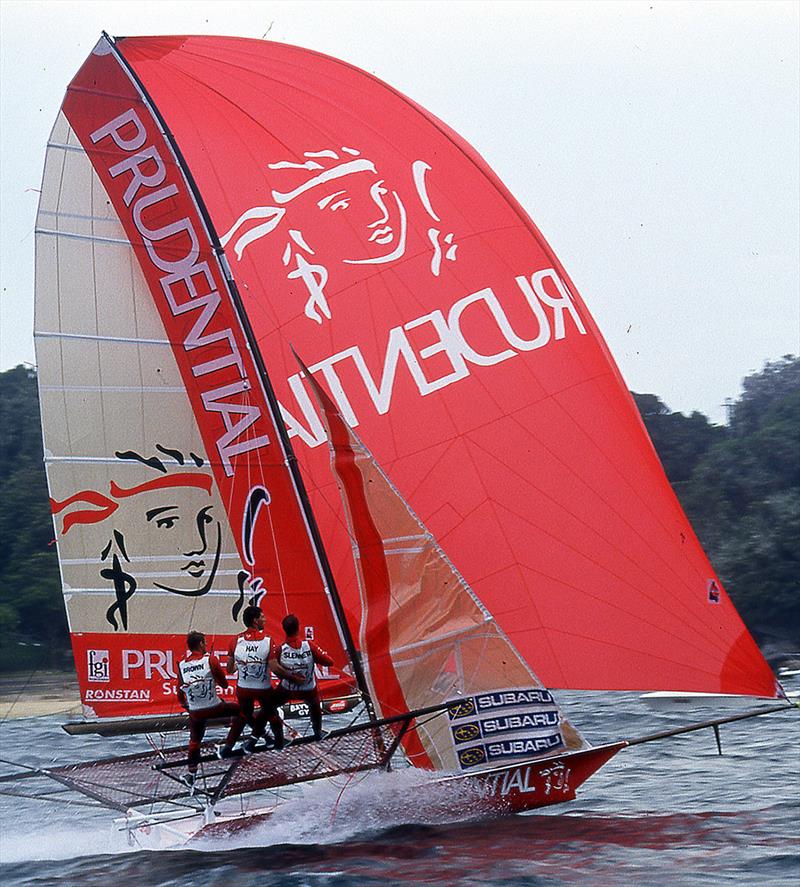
x=509 y=723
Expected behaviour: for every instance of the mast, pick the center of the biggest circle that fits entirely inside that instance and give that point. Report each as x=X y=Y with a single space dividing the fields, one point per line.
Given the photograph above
x=288 y=451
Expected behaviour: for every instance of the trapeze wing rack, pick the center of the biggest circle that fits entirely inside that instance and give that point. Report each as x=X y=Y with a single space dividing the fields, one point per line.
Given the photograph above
x=355 y=749
x=359 y=748
x=403 y=721
x=129 y=781
x=119 y=783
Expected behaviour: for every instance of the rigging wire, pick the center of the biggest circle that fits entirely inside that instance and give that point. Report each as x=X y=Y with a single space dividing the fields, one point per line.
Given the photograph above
x=348 y=780
x=19 y=693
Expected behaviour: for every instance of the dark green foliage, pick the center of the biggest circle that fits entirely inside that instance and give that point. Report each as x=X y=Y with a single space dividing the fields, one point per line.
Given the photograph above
x=680 y=441
x=761 y=390
x=33 y=626
x=740 y=487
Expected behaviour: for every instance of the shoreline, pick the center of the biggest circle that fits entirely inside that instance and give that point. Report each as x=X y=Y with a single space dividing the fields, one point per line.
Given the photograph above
x=40 y=694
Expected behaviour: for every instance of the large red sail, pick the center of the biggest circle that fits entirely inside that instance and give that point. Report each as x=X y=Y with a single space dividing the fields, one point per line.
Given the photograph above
x=363 y=231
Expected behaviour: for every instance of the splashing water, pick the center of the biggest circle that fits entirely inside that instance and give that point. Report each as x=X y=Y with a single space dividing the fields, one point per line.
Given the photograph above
x=338 y=810
x=662 y=813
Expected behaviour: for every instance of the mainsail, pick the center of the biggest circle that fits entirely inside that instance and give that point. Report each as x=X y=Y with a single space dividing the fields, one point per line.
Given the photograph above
x=170 y=483
x=210 y=202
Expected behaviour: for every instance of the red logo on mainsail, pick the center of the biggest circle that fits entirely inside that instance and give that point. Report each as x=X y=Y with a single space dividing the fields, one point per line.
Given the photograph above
x=165 y=524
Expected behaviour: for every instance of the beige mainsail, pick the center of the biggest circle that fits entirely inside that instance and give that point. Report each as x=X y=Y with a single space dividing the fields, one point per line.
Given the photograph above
x=109 y=385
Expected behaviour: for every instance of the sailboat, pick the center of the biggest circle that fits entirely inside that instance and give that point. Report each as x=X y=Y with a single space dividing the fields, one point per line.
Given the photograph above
x=299 y=347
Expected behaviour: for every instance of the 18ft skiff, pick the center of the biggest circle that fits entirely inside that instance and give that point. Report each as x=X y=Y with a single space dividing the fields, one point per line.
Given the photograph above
x=500 y=525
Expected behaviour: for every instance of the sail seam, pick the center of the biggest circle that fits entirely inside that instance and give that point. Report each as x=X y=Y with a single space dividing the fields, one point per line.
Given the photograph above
x=478 y=627
x=149 y=592
x=84 y=217
x=144 y=558
x=425 y=536
x=62 y=147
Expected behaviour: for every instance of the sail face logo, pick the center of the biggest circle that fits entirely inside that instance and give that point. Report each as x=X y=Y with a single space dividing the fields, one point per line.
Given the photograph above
x=97 y=666
x=346 y=189
x=154 y=663
x=168 y=515
x=461 y=709
x=513 y=699
x=491 y=727
x=454 y=348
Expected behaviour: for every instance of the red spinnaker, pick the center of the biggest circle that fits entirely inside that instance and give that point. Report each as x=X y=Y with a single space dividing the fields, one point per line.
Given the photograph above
x=367 y=234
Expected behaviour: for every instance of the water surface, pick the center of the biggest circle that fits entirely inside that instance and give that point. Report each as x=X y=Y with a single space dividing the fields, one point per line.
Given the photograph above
x=671 y=812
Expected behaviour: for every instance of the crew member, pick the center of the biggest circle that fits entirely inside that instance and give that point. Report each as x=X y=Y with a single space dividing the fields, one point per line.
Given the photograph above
x=199 y=675
x=300 y=657
x=251 y=654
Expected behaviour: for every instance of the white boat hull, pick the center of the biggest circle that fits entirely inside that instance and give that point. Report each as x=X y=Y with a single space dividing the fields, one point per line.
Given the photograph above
x=667 y=701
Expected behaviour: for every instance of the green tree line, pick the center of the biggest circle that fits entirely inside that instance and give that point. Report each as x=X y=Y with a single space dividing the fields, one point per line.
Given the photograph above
x=739 y=485
x=33 y=625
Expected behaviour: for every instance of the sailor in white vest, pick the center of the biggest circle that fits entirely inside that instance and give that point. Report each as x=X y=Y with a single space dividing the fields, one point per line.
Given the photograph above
x=300 y=656
x=199 y=675
x=251 y=655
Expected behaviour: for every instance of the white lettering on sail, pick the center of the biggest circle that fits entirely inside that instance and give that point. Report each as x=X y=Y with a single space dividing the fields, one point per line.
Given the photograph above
x=447 y=344
x=168 y=232
x=151 y=661
x=450 y=341
x=135 y=165
x=230 y=444
x=487 y=297
x=312 y=436
x=173 y=246
x=115 y=127
x=559 y=305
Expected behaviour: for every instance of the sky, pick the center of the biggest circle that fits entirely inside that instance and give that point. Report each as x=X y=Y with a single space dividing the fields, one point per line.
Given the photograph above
x=655 y=144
